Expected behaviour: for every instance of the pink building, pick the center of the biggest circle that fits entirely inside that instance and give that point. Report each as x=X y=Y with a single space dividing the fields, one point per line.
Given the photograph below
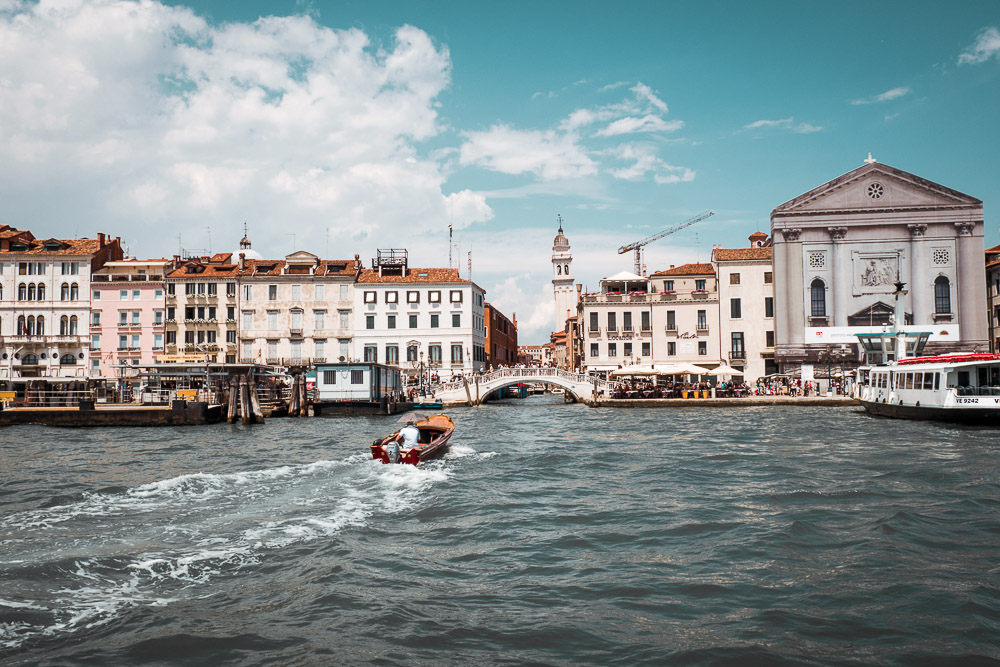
x=127 y=315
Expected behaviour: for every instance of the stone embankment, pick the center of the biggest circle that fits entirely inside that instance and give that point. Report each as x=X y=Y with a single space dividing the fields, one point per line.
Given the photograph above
x=746 y=401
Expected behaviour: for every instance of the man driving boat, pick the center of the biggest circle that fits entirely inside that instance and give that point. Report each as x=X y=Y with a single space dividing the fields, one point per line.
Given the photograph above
x=408 y=435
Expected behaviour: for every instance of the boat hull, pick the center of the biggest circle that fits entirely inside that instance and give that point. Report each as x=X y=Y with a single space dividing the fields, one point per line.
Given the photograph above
x=980 y=416
x=435 y=437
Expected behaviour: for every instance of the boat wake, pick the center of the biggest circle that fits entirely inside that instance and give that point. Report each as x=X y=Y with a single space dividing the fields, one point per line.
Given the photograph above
x=77 y=565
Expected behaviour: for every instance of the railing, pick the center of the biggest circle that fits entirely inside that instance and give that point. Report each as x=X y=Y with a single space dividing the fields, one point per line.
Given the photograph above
x=532 y=372
x=737 y=354
x=702 y=326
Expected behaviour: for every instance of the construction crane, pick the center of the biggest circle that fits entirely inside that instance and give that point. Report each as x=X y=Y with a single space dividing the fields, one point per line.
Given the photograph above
x=638 y=245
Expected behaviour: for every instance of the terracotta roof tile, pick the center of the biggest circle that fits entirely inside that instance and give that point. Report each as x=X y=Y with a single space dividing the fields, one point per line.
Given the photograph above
x=738 y=254
x=697 y=269
x=413 y=276
x=69 y=247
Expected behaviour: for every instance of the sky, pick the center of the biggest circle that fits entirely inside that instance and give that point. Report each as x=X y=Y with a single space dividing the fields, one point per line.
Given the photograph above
x=344 y=127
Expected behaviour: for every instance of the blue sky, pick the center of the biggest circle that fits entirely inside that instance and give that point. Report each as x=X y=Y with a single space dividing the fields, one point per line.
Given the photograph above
x=342 y=127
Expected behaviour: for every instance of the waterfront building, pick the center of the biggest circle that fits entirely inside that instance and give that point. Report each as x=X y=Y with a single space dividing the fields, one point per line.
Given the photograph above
x=560 y=349
x=746 y=303
x=201 y=306
x=45 y=293
x=840 y=248
x=993 y=296
x=562 y=277
x=417 y=318
x=296 y=311
x=534 y=355
x=127 y=315
x=501 y=337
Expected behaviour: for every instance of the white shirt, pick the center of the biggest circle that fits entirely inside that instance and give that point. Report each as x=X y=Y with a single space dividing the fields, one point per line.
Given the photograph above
x=410 y=435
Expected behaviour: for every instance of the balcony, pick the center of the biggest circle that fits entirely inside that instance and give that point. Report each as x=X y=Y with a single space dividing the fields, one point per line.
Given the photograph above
x=702 y=327
x=671 y=328
x=295 y=331
x=737 y=354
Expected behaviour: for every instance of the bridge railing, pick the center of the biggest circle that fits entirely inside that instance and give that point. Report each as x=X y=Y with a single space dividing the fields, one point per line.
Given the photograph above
x=526 y=373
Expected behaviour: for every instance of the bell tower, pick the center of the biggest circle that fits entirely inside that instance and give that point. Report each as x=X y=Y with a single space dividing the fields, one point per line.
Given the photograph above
x=562 y=278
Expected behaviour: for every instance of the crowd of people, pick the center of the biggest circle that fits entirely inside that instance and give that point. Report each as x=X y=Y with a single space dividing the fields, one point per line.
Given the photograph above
x=773 y=386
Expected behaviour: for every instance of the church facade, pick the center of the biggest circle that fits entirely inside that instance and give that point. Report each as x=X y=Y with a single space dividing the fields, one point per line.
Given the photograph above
x=840 y=248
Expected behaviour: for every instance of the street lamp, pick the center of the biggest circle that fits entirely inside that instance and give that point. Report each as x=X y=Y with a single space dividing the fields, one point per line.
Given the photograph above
x=421 y=381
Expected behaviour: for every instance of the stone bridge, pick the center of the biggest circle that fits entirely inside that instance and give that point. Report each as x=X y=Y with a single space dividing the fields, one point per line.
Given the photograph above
x=474 y=390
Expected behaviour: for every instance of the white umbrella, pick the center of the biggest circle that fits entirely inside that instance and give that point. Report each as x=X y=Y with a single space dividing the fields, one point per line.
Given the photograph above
x=633 y=371
x=723 y=369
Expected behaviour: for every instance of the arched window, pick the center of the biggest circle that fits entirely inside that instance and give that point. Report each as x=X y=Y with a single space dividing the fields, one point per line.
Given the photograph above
x=558 y=269
x=30 y=328
x=31 y=292
x=74 y=292
x=40 y=325
x=565 y=269
x=942 y=295
x=818 y=293
x=22 y=292
x=29 y=360
x=21 y=327
x=73 y=325
x=67 y=359
x=64 y=292
x=63 y=326
x=41 y=291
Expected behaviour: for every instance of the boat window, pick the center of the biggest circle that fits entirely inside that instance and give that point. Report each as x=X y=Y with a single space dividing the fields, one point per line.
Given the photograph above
x=909 y=381
x=963 y=378
x=937 y=381
x=929 y=380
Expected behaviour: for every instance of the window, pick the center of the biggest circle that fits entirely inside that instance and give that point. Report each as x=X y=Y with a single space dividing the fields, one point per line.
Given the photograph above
x=171 y=338
x=392 y=297
x=699 y=284
x=189 y=288
x=413 y=297
x=456 y=320
x=370 y=297
x=456 y=296
x=734 y=279
x=369 y=321
x=230 y=289
x=817 y=291
x=96 y=295
x=645 y=321
x=122 y=342
x=768 y=306
x=391 y=322
x=344 y=316
x=411 y=352
x=434 y=354
x=627 y=321
x=158 y=295
x=702 y=320
x=434 y=296
x=627 y=349
x=329 y=377
x=135 y=317
x=123 y=295
x=157 y=317
x=200 y=310
x=671 y=320
x=95 y=318
x=201 y=288
x=319 y=293
x=247 y=350
x=371 y=353
x=213 y=289
x=64 y=292
x=95 y=342
x=272 y=349
x=413 y=321
x=737 y=344
x=135 y=342
x=594 y=349
x=456 y=352
x=272 y=320
x=357 y=376
x=272 y=292
x=435 y=320
x=248 y=292
x=612 y=349
x=768 y=277
x=345 y=292
x=319 y=317
x=122 y=317
x=189 y=337
x=612 y=324
x=296 y=320
x=392 y=354
x=247 y=319
x=768 y=339
x=296 y=292
x=942 y=295
x=668 y=285
x=702 y=347
x=735 y=309
x=320 y=349
x=594 y=326
x=646 y=349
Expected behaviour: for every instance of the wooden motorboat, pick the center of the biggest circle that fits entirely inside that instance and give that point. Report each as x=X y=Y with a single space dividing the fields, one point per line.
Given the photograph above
x=435 y=433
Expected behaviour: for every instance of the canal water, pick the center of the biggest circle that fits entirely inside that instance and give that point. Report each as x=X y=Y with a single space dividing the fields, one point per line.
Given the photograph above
x=550 y=534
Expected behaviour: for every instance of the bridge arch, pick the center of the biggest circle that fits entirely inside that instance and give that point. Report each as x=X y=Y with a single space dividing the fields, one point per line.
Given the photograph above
x=494 y=387
x=474 y=390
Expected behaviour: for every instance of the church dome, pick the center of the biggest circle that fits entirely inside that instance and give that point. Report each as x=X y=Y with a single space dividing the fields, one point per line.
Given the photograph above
x=560 y=241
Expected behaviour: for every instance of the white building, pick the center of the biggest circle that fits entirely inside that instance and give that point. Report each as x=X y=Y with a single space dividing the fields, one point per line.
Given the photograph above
x=407 y=316
x=45 y=302
x=562 y=279
x=746 y=306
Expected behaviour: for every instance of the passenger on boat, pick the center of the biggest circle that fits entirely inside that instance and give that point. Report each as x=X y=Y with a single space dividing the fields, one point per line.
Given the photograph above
x=408 y=435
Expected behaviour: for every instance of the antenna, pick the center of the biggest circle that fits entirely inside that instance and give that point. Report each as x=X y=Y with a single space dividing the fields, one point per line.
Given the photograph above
x=449 y=246
x=470 y=265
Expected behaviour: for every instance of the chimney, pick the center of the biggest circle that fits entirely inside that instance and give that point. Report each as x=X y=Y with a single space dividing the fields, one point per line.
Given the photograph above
x=243 y=261
x=100 y=239
x=671 y=266
x=357 y=262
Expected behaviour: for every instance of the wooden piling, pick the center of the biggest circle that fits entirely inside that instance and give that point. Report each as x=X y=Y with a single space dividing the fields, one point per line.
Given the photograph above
x=244 y=401
x=234 y=396
x=257 y=414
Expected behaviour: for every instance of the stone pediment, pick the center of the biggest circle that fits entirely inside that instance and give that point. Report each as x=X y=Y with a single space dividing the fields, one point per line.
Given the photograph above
x=877 y=314
x=876 y=187
x=301 y=257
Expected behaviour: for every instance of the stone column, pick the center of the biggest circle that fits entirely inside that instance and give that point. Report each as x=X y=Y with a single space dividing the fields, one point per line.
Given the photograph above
x=839 y=265
x=920 y=281
x=788 y=305
x=969 y=287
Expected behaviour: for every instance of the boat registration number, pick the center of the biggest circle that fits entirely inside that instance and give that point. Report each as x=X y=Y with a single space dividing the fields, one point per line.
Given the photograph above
x=968 y=400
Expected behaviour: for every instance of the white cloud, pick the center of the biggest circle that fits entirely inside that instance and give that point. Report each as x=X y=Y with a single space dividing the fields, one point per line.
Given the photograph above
x=986 y=46
x=887 y=96
x=139 y=114
x=784 y=123
x=644 y=161
x=550 y=155
x=648 y=123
